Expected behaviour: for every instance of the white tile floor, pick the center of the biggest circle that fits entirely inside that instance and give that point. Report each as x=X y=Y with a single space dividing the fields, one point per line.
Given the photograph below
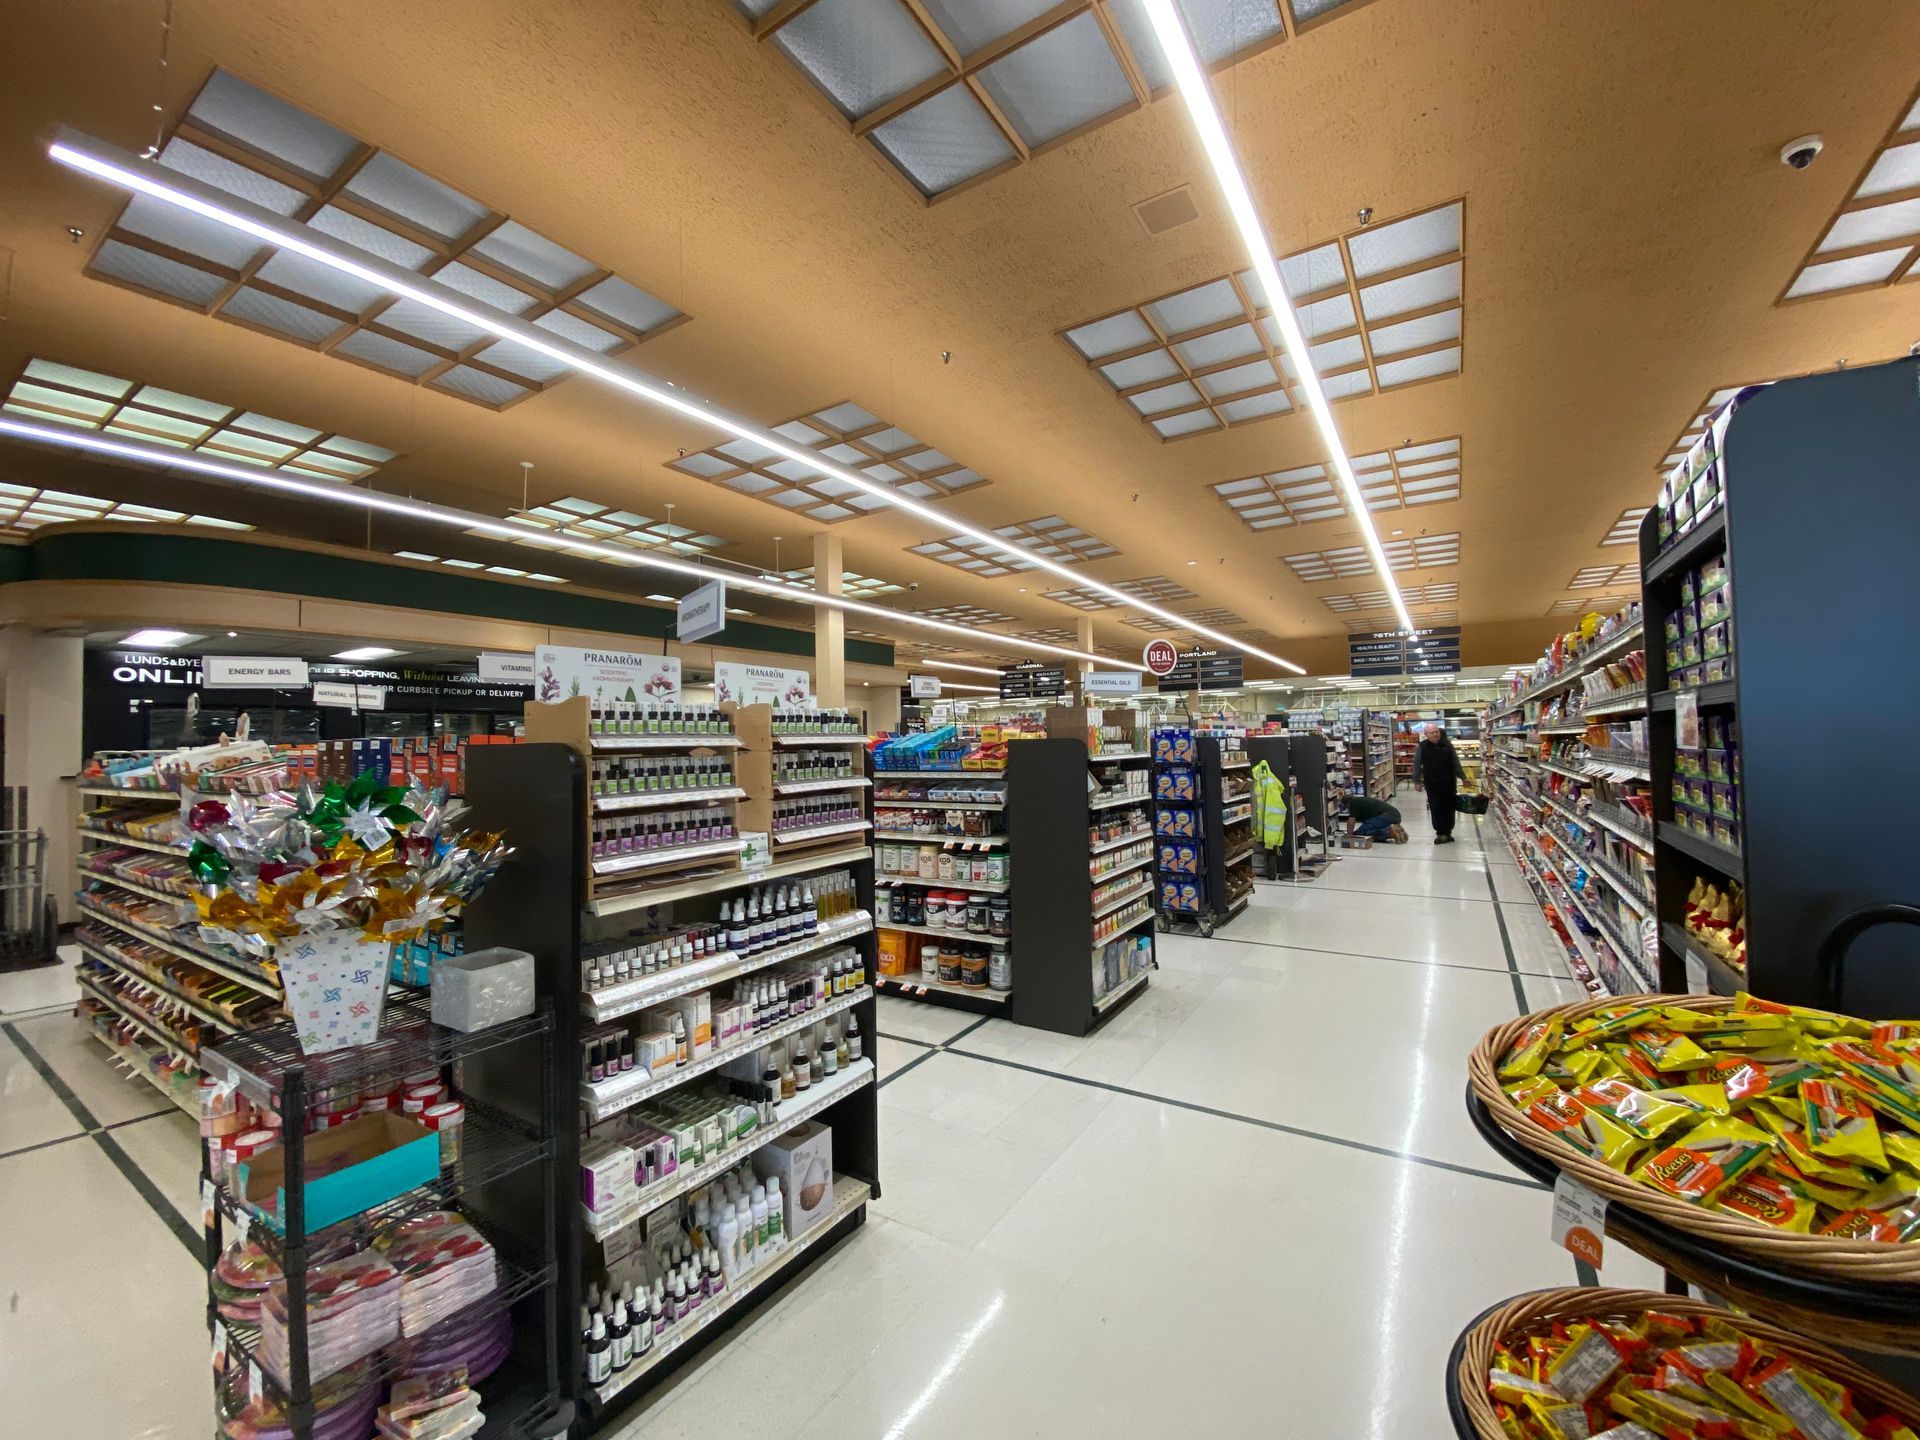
x=1252 y=1195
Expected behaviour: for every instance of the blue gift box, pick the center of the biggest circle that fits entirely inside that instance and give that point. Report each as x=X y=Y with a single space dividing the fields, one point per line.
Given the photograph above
x=350 y=1168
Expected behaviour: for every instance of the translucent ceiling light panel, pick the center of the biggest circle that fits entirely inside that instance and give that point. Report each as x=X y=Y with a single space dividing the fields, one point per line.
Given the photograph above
x=1421 y=474
x=1600 y=577
x=1422 y=552
x=847 y=434
x=1874 y=237
x=1066 y=79
x=1625 y=530
x=28 y=507
x=1384 y=305
x=1049 y=535
x=86 y=400
x=257 y=147
x=944 y=141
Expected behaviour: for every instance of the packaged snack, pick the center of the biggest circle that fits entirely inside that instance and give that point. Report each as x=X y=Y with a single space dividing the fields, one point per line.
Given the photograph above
x=1770 y=1200
x=1530 y=1051
x=1890 y=1212
x=1840 y=1124
x=1639 y=1111
x=1605 y=1024
x=1749 y=1077
x=1817 y=1406
x=1708 y=1157
x=1665 y=1050
x=1589 y=1362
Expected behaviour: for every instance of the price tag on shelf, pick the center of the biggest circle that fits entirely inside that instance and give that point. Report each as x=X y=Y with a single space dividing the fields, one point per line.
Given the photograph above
x=219 y=1340
x=206 y=1203
x=242 y=1223
x=1686 y=719
x=1579 y=1220
x=256 y=1386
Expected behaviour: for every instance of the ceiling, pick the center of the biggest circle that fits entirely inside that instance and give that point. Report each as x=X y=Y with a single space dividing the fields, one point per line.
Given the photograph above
x=1617 y=233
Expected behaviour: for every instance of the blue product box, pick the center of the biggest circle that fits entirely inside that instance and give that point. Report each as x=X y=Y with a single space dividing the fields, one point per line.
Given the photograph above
x=350 y=1168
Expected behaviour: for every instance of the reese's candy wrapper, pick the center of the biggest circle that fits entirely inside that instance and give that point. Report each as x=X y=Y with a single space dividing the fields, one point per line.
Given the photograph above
x=1530 y=1051
x=1559 y=1419
x=1606 y=1024
x=1666 y=1050
x=1888 y=1078
x=1769 y=1200
x=1798 y=1147
x=1749 y=1078
x=1806 y=1399
x=1902 y=1148
x=1840 y=1124
x=1589 y=1362
x=1638 y=1111
x=1890 y=1030
x=1823 y=1188
x=1810 y=1022
x=1890 y=1212
x=1709 y=1098
x=1713 y=1154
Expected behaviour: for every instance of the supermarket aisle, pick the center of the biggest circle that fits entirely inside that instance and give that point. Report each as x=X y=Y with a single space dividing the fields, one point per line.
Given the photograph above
x=1255 y=1183
x=1253 y=1191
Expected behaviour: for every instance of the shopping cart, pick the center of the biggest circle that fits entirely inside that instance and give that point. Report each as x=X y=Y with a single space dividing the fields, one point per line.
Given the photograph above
x=29 y=919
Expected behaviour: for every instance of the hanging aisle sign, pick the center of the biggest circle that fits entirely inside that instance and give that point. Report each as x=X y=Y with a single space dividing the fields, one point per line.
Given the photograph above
x=1203 y=669
x=762 y=685
x=1030 y=680
x=1434 y=650
x=253 y=672
x=333 y=693
x=1160 y=657
x=508 y=669
x=923 y=687
x=1110 y=682
x=604 y=676
x=703 y=612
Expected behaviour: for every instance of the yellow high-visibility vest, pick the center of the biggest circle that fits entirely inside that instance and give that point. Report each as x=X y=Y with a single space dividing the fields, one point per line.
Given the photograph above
x=1269 y=807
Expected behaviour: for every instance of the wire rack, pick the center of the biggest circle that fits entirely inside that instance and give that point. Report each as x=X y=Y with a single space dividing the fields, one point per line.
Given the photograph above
x=494 y=1145
x=258 y=1062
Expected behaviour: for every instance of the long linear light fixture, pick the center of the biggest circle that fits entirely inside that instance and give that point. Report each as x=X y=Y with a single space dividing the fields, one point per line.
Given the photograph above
x=467 y=520
x=1198 y=95
x=118 y=167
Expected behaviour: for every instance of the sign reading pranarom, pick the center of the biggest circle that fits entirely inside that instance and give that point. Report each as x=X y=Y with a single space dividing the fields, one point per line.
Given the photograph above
x=605 y=676
x=762 y=685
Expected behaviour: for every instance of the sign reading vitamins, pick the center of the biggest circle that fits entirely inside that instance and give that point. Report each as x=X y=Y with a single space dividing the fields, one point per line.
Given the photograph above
x=334 y=693
x=703 y=612
x=509 y=669
x=605 y=676
x=253 y=672
x=762 y=685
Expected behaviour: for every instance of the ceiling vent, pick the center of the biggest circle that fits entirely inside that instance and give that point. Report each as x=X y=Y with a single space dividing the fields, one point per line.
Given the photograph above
x=1167 y=212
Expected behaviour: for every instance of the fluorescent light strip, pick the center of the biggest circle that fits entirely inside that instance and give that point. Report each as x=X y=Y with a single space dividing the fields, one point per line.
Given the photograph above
x=118 y=167
x=1194 y=90
x=946 y=665
x=467 y=520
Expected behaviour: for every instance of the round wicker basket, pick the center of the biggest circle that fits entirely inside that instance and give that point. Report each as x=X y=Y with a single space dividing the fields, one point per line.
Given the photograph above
x=1821 y=1256
x=1525 y=1313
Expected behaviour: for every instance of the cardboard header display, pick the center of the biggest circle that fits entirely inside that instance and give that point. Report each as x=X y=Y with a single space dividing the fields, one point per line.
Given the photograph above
x=605 y=676
x=762 y=685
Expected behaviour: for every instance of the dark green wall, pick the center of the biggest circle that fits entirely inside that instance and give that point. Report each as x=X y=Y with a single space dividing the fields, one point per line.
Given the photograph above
x=169 y=557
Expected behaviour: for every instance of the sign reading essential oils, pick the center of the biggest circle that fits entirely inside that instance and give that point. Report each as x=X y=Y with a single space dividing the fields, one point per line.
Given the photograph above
x=1110 y=682
x=605 y=676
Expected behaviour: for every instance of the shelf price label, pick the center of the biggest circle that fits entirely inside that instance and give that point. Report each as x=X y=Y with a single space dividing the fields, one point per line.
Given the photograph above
x=1579 y=1220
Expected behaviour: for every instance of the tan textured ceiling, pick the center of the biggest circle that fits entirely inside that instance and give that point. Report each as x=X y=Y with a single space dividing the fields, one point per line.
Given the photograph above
x=1629 y=227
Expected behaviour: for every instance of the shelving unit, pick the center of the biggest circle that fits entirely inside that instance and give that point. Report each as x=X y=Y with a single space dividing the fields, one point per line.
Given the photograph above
x=910 y=889
x=1796 y=506
x=1566 y=805
x=1377 y=759
x=625 y=850
x=1061 y=980
x=541 y=902
x=507 y=1163
x=123 y=917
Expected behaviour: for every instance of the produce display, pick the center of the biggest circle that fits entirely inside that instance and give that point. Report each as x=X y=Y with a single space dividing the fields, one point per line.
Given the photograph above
x=1799 y=1120
x=1660 y=1375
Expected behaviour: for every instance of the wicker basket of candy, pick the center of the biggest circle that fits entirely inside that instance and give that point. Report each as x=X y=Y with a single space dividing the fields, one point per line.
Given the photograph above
x=1579 y=1362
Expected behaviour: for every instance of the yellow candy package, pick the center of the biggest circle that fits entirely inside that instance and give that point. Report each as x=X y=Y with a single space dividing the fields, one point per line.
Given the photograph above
x=1889 y=1079
x=1530 y=1051
x=1827 y=1189
x=1516 y=1389
x=1559 y=1419
x=1817 y=1407
x=1607 y=1024
x=1809 y=1022
x=1796 y=1146
x=1768 y=1199
x=1709 y=1098
x=1589 y=1361
x=1566 y=1116
x=1749 y=1077
x=1707 y=1158
x=1839 y=1124
x=1902 y=1148
x=1889 y=1213
x=1638 y=1111
x=1666 y=1050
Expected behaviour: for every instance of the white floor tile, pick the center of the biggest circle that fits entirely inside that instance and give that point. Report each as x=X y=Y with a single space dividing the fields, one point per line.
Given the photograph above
x=30 y=1112
x=919 y=1020
x=109 y=1093
x=41 y=988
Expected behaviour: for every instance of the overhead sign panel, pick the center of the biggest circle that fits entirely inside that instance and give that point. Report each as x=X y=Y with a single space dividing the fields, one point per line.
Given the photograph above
x=1433 y=650
x=1030 y=680
x=1204 y=669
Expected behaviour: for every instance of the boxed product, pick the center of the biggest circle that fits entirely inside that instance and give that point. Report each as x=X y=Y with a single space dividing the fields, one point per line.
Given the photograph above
x=1174 y=747
x=802 y=1162
x=482 y=988
x=1175 y=784
x=607 y=1176
x=1179 y=823
x=350 y=1168
x=899 y=952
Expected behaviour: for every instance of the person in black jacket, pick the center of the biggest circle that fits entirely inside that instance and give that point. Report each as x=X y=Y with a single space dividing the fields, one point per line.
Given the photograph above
x=1436 y=767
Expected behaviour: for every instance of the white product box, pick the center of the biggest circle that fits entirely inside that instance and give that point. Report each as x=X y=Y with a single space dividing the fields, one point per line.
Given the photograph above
x=606 y=1176
x=802 y=1162
x=482 y=988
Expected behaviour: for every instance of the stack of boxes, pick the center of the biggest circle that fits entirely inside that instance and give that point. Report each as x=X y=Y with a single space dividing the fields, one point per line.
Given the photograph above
x=1700 y=632
x=402 y=760
x=1706 y=783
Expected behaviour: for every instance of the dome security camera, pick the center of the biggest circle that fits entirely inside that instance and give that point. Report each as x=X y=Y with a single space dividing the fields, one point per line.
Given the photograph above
x=1799 y=154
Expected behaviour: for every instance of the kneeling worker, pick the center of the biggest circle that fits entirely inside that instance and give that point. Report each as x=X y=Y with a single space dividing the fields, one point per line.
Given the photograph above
x=1375 y=819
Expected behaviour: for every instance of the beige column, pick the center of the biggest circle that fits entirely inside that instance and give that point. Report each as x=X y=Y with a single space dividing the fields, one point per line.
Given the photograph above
x=829 y=626
x=1083 y=639
x=40 y=697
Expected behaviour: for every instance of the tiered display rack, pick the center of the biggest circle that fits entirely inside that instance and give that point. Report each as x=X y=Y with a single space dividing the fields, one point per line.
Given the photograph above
x=504 y=1181
x=543 y=901
x=1569 y=773
x=1222 y=874
x=1378 y=755
x=975 y=802
x=119 y=915
x=1063 y=920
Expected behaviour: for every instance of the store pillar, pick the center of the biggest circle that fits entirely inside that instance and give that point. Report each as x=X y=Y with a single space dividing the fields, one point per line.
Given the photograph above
x=40 y=691
x=830 y=625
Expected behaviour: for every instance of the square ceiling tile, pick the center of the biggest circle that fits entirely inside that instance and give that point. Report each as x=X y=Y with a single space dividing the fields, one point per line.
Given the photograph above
x=861 y=53
x=1061 y=80
x=944 y=141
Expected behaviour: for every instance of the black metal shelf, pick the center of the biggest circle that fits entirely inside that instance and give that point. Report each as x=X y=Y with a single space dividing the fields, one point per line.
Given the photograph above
x=1730 y=863
x=1704 y=539
x=1719 y=692
x=1722 y=978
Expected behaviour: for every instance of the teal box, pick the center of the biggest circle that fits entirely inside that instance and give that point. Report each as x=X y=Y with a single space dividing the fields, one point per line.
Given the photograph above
x=350 y=1168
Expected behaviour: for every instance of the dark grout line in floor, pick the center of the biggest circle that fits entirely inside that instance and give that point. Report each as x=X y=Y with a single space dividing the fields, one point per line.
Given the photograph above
x=1254 y=1120
x=92 y=1129
x=1395 y=959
